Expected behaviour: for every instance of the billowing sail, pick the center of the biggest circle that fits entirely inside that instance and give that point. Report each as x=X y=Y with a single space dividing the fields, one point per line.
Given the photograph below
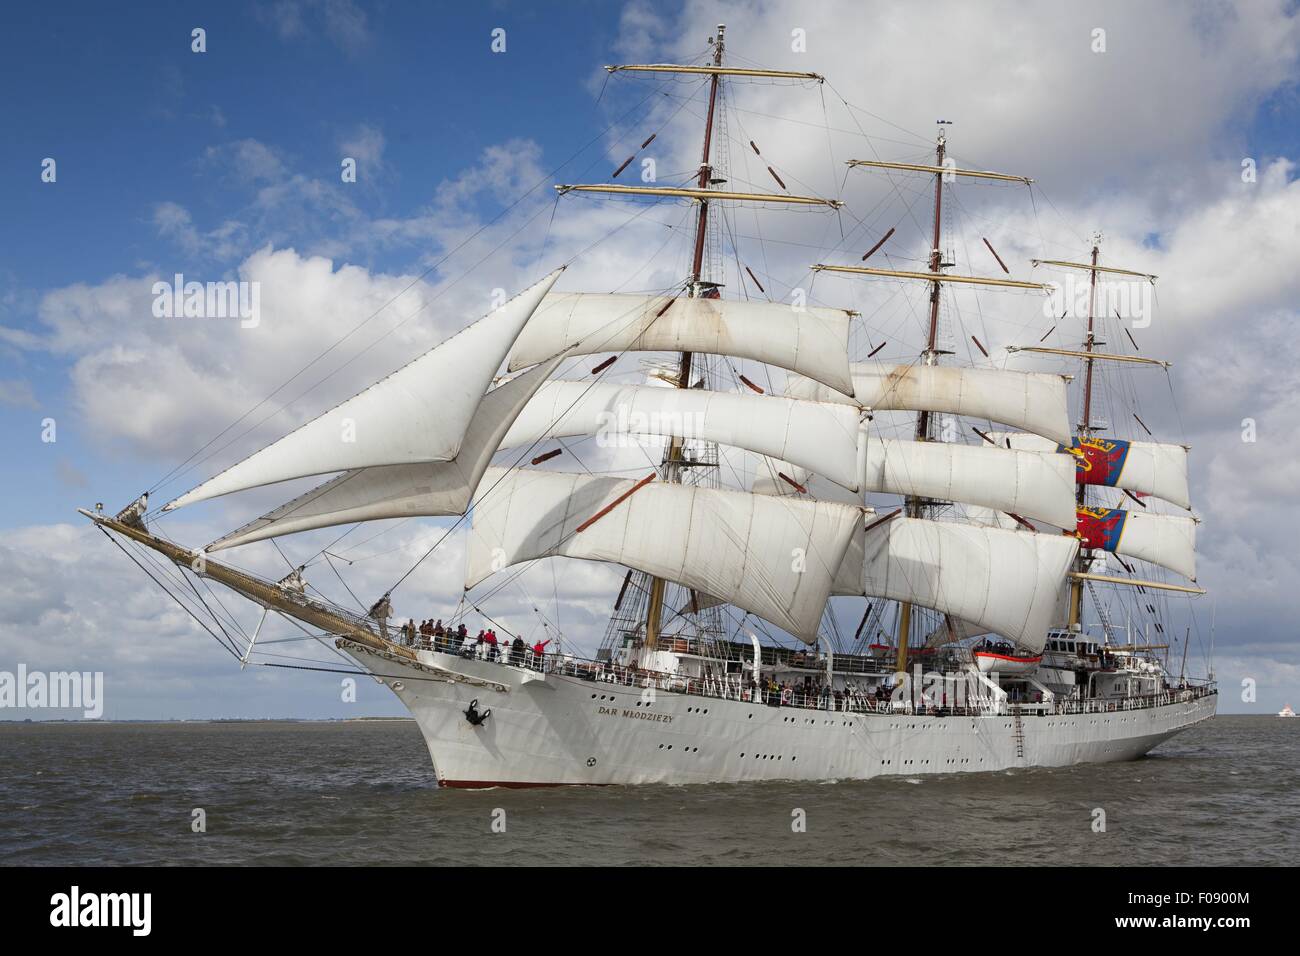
x=403 y=491
x=417 y=414
x=813 y=434
x=770 y=557
x=1143 y=467
x=1029 y=484
x=1033 y=401
x=811 y=341
x=1006 y=582
x=1166 y=540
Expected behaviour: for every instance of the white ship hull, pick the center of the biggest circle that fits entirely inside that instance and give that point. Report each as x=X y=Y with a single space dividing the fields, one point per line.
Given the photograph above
x=547 y=730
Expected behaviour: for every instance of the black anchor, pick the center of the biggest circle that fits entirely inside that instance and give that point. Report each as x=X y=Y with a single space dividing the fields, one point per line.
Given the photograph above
x=473 y=716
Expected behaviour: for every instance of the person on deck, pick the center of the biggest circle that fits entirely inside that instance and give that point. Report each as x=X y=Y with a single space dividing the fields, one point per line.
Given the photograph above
x=539 y=653
x=517 y=651
x=490 y=638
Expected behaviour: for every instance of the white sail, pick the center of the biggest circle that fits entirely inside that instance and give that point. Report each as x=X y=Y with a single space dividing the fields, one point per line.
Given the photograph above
x=1029 y=484
x=1166 y=540
x=417 y=414
x=820 y=434
x=1006 y=582
x=403 y=491
x=811 y=341
x=847 y=581
x=772 y=558
x=1149 y=468
x=1033 y=401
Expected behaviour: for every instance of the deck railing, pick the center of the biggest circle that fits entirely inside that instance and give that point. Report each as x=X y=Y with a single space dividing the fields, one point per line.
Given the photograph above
x=734 y=687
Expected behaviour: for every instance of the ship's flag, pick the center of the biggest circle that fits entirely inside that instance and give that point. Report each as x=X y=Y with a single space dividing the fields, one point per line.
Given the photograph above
x=1101 y=528
x=1098 y=461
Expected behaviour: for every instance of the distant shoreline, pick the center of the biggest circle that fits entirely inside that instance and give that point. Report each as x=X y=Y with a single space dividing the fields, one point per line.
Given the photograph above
x=207 y=720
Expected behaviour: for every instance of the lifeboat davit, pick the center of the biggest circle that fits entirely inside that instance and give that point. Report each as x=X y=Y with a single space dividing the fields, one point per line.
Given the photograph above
x=990 y=661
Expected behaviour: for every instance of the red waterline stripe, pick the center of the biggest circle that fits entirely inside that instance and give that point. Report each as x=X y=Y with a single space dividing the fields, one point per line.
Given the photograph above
x=511 y=784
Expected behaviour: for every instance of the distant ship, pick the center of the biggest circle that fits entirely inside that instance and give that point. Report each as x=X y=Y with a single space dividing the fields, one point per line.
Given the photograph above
x=972 y=653
x=1286 y=711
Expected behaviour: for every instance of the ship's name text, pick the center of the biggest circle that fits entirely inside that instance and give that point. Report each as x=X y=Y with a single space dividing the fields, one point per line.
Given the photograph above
x=635 y=714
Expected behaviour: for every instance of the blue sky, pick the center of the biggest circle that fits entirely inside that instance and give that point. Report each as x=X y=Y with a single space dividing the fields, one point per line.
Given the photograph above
x=226 y=163
x=130 y=114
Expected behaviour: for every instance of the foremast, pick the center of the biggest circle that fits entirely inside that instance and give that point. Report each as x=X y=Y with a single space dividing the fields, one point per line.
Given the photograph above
x=696 y=286
x=673 y=459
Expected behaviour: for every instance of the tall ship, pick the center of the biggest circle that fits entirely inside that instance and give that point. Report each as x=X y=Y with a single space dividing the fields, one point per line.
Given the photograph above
x=984 y=545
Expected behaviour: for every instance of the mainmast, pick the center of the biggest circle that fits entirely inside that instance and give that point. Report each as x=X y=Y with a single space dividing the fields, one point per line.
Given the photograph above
x=915 y=508
x=937 y=279
x=672 y=462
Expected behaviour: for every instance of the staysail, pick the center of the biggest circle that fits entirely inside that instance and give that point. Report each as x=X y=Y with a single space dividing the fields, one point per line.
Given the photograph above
x=403 y=491
x=417 y=414
x=1034 y=401
x=812 y=434
x=773 y=558
x=810 y=341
